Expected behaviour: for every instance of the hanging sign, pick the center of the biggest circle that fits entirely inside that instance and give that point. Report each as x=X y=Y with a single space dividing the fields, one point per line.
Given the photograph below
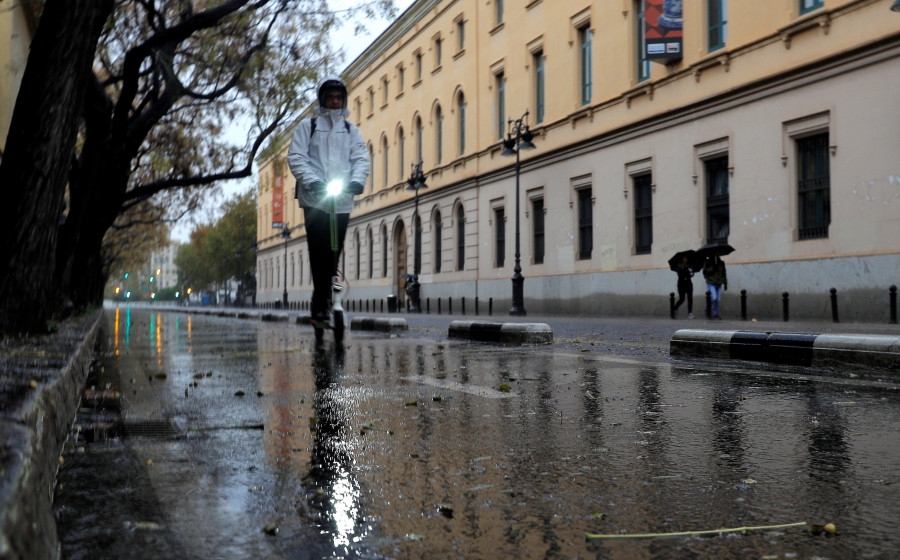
x=662 y=29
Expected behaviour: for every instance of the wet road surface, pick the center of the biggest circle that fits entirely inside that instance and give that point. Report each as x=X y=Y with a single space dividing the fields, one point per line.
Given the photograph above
x=223 y=438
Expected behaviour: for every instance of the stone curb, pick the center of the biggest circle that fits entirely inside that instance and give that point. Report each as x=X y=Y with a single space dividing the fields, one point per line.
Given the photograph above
x=33 y=428
x=520 y=333
x=879 y=352
x=381 y=324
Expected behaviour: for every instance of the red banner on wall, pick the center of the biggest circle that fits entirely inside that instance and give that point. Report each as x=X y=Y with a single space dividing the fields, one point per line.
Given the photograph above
x=662 y=29
x=277 y=198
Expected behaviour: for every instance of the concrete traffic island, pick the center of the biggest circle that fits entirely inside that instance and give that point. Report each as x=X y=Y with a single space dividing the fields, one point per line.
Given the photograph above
x=381 y=324
x=876 y=352
x=517 y=333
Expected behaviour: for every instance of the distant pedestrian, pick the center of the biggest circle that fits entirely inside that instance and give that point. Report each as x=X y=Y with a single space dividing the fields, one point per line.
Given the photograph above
x=716 y=280
x=685 y=286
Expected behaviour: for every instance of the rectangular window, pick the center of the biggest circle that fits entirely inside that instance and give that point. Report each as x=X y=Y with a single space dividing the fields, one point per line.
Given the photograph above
x=717 y=203
x=539 y=88
x=438 y=43
x=717 y=24
x=499 y=11
x=400 y=76
x=461 y=35
x=384 y=97
x=813 y=186
x=499 y=237
x=585 y=39
x=501 y=105
x=371 y=101
x=537 y=242
x=585 y=224
x=418 y=66
x=643 y=214
x=643 y=63
x=810 y=5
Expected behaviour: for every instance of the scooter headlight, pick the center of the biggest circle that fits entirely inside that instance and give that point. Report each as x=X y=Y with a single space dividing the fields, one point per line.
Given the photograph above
x=334 y=188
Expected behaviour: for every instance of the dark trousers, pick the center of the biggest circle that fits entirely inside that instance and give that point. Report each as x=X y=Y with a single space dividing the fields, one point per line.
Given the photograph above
x=685 y=289
x=323 y=262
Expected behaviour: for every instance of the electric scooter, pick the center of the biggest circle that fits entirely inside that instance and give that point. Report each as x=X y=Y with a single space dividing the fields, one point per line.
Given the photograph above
x=336 y=323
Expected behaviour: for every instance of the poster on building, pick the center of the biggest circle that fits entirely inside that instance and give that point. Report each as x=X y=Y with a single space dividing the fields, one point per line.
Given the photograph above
x=277 y=197
x=662 y=29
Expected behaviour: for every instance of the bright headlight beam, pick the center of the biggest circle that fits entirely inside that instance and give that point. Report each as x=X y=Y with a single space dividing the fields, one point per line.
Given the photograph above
x=334 y=188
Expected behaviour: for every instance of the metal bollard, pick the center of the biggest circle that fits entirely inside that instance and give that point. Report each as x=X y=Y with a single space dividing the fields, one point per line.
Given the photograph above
x=439 y=306
x=672 y=304
x=449 y=306
x=744 y=305
x=428 y=306
x=382 y=306
x=490 y=306
x=834 y=307
x=476 y=306
x=708 y=305
x=463 y=306
x=785 y=306
x=893 y=297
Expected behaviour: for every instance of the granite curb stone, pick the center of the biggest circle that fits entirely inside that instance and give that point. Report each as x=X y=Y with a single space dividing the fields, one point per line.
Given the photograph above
x=39 y=397
x=381 y=324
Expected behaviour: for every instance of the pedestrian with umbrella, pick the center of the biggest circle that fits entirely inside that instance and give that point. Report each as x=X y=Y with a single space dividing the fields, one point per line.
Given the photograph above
x=684 y=264
x=715 y=274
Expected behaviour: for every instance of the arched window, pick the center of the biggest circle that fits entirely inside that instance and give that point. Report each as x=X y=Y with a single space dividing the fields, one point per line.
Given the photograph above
x=358 y=253
x=371 y=253
x=371 y=171
x=461 y=114
x=460 y=238
x=384 y=252
x=401 y=148
x=438 y=135
x=386 y=158
x=436 y=221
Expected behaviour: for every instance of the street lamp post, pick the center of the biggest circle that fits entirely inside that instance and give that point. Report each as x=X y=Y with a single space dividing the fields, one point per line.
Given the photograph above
x=415 y=182
x=286 y=235
x=518 y=138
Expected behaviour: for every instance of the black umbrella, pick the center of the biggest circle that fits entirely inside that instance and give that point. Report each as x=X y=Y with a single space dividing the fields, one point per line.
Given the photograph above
x=693 y=259
x=711 y=249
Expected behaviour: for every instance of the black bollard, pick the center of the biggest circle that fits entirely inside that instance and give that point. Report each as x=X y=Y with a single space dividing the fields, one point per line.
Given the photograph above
x=382 y=306
x=449 y=306
x=476 y=306
x=893 y=296
x=463 y=306
x=428 y=306
x=785 y=306
x=672 y=304
x=744 y=305
x=834 y=308
x=490 y=306
x=439 y=306
x=708 y=305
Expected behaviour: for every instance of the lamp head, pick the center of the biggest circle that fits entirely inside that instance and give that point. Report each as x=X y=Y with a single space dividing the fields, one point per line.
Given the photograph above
x=334 y=188
x=526 y=143
x=508 y=145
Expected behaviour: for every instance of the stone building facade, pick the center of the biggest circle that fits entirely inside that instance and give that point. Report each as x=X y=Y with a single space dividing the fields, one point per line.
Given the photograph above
x=771 y=125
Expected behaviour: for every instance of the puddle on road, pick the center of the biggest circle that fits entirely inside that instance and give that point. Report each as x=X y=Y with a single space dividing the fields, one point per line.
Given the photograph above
x=406 y=448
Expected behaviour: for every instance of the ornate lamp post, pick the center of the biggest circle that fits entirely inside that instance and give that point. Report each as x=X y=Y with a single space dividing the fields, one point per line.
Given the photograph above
x=415 y=182
x=286 y=235
x=518 y=138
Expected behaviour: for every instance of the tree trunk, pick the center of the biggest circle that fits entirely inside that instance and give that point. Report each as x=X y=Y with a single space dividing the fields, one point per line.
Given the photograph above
x=39 y=151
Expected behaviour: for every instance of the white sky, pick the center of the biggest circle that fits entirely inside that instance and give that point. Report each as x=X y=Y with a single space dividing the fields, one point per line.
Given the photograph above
x=352 y=48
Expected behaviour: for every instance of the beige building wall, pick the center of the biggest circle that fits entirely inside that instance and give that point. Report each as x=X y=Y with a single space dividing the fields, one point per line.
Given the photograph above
x=781 y=76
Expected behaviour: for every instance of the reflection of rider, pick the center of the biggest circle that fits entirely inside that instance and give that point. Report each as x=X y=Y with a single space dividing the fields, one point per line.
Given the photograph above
x=332 y=489
x=323 y=149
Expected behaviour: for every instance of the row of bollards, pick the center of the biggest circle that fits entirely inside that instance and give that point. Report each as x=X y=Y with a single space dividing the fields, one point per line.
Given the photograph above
x=786 y=305
x=363 y=306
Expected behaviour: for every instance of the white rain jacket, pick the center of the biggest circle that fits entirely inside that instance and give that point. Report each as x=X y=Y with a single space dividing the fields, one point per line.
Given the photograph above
x=334 y=151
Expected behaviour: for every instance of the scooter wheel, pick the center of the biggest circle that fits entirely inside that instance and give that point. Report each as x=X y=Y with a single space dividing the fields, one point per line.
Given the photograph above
x=338 y=326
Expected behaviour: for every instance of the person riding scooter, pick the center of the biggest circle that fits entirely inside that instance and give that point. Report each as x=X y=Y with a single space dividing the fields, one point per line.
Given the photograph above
x=327 y=148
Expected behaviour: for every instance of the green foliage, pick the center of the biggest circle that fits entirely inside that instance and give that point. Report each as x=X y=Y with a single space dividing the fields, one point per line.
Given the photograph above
x=222 y=250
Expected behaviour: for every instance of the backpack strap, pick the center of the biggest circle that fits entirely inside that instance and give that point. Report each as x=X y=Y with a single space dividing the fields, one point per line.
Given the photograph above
x=312 y=126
